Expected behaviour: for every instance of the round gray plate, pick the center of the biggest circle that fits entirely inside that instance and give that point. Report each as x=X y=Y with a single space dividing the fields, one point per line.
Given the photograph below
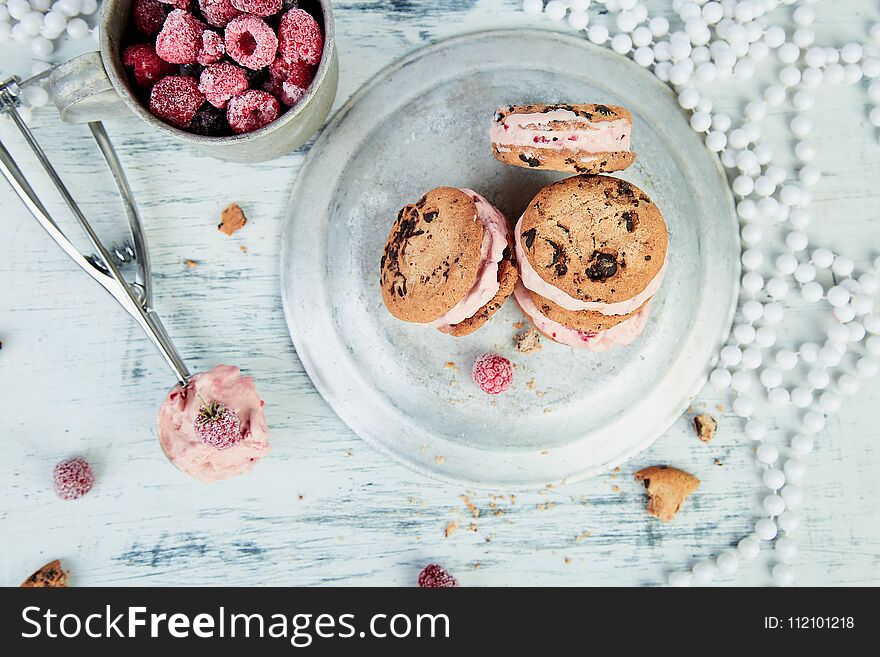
x=406 y=389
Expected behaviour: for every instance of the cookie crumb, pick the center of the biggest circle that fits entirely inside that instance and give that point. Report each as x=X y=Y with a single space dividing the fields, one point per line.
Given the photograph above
x=527 y=342
x=718 y=462
x=440 y=459
x=584 y=535
x=191 y=264
x=450 y=529
x=518 y=325
x=231 y=219
x=567 y=560
x=475 y=512
x=472 y=527
x=531 y=384
x=52 y=575
x=705 y=426
x=615 y=488
x=667 y=489
x=243 y=248
x=719 y=408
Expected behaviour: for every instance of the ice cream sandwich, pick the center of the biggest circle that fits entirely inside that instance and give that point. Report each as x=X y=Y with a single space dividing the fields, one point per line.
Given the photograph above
x=591 y=252
x=448 y=262
x=573 y=138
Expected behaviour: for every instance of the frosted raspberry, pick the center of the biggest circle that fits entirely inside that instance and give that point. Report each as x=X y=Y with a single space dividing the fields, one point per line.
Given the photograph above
x=297 y=72
x=179 y=4
x=251 y=110
x=212 y=49
x=493 y=373
x=291 y=93
x=251 y=42
x=147 y=68
x=258 y=7
x=299 y=37
x=217 y=425
x=435 y=576
x=218 y=12
x=73 y=478
x=180 y=39
x=148 y=15
x=220 y=82
x=176 y=99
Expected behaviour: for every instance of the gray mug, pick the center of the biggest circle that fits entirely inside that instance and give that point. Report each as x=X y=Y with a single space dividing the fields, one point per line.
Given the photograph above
x=93 y=87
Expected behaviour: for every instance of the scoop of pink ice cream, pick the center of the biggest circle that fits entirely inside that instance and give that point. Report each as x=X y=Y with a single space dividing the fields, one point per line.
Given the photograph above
x=177 y=425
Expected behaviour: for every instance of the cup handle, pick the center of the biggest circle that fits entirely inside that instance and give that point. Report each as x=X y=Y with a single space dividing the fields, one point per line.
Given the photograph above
x=82 y=91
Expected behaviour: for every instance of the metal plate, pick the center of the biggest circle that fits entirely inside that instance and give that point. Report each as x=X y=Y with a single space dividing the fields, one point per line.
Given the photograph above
x=423 y=122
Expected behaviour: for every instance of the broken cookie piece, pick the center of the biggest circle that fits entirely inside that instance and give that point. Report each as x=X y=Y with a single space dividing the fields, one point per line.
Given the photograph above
x=705 y=426
x=667 y=489
x=231 y=219
x=49 y=576
x=528 y=341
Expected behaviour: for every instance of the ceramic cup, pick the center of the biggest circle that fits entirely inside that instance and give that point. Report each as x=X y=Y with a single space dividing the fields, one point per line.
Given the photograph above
x=93 y=87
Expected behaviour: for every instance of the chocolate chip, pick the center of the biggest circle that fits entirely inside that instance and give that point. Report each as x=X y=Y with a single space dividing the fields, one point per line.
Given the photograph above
x=430 y=216
x=604 y=110
x=605 y=266
x=647 y=257
x=529 y=237
x=632 y=221
x=531 y=161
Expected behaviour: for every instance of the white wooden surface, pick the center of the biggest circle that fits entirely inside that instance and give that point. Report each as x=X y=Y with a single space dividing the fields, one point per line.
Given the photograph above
x=79 y=378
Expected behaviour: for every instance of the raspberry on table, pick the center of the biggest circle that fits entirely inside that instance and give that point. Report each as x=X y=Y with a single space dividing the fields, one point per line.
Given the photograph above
x=209 y=122
x=493 y=373
x=147 y=67
x=250 y=41
x=148 y=15
x=218 y=12
x=212 y=49
x=258 y=7
x=175 y=99
x=435 y=576
x=299 y=37
x=251 y=111
x=220 y=82
x=73 y=478
x=180 y=39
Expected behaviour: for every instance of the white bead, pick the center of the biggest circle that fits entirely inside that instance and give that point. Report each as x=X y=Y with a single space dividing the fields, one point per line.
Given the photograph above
x=792 y=494
x=802 y=445
x=803 y=37
x=744 y=69
x=764 y=186
x=778 y=397
x=742 y=184
x=809 y=175
x=626 y=21
x=853 y=74
x=555 y=10
x=703 y=572
x=789 y=76
x=812 y=77
x=812 y=292
x=766 y=529
x=701 y=121
x=771 y=377
x=752 y=282
x=801 y=397
x=20 y=35
x=805 y=273
x=869 y=283
x=749 y=548
x=794 y=470
x=35 y=96
x=55 y=21
x=844 y=314
x=727 y=562
x=789 y=521
x=642 y=37
x=801 y=126
x=644 y=56
x=774 y=479
x=829 y=356
x=740 y=381
x=579 y=5
x=738 y=139
x=862 y=304
x=774 y=36
x=755 y=430
x=746 y=207
x=767 y=454
x=783 y=575
x=73 y=7
x=758 y=51
x=848 y=384
x=786 y=359
x=822 y=258
x=713 y=12
x=786 y=264
x=42 y=47
x=578 y=20
x=721 y=122
x=627 y=4
x=790 y=195
x=777 y=288
x=659 y=26
x=768 y=207
x=716 y=141
x=799 y=218
x=837 y=333
x=743 y=407
x=731 y=355
x=838 y=296
x=728 y=159
x=818 y=379
x=856 y=331
x=786 y=548
x=872 y=324
x=805 y=151
x=773 y=313
x=533 y=7
x=765 y=337
x=18 y=8
x=679 y=578
x=871 y=67
x=867 y=367
x=752 y=234
x=720 y=378
x=773 y=504
x=851 y=53
x=701 y=54
x=32 y=22
x=751 y=358
x=621 y=43
x=788 y=53
x=598 y=34
x=813 y=422
x=809 y=352
x=835 y=73
x=872 y=344
x=752 y=310
x=744 y=333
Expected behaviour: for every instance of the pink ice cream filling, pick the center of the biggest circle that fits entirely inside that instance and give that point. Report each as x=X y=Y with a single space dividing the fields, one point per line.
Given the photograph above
x=596 y=137
x=495 y=239
x=623 y=334
x=533 y=281
x=180 y=409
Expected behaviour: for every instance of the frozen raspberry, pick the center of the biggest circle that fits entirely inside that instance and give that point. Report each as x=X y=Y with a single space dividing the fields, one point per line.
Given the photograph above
x=251 y=42
x=298 y=72
x=217 y=425
x=149 y=15
x=209 y=122
x=493 y=373
x=299 y=37
x=220 y=82
x=176 y=99
x=291 y=93
x=212 y=49
x=218 y=12
x=73 y=478
x=179 y=4
x=251 y=110
x=147 y=67
x=435 y=576
x=180 y=40
x=258 y=7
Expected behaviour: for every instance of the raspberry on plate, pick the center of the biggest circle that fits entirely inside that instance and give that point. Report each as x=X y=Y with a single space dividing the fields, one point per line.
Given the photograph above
x=220 y=82
x=147 y=67
x=250 y=42
x=218 y=12
x=212 y=49
x=251 y=111
x=258 y=7
x=149 y=15
x=180 y=39
x=493 y=373
x=299 y=37
x=435 y=576
x=73 y=478
x=175 y=99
